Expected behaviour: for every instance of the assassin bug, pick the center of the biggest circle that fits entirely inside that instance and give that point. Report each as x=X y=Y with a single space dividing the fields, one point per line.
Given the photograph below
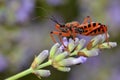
x=87 y=28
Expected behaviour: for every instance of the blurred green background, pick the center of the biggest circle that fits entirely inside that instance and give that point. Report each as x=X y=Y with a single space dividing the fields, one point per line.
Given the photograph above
x=24 y=32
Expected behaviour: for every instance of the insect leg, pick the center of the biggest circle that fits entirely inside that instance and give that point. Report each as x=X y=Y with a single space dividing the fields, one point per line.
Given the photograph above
x=60 y=35
x=87 y=19
x=60 y=38
x=107 y=39
x=57 y=27
x=51 y=35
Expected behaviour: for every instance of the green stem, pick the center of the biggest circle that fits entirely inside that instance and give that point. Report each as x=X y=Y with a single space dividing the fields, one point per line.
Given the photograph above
x=21 y=74
x=45 y=64
x=28 y=71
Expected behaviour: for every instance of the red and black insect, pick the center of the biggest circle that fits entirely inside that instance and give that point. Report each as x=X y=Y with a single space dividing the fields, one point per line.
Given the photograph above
x=72 y=29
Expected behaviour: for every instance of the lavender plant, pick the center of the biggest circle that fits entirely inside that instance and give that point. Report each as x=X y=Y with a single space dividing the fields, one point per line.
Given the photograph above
x=61 y=58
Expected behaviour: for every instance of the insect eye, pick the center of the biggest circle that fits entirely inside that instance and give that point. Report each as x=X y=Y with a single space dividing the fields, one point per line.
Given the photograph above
x=62 y=25
x=99 y=23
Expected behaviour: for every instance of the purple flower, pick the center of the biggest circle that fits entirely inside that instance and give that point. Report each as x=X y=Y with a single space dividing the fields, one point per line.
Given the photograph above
x=3 y=63
x=25 y=8
x=18 y=10
x=114 y=11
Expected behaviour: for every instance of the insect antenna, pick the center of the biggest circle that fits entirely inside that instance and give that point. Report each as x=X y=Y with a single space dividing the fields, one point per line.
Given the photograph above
x=43 y=9
x=51 y=18
x=54 y=20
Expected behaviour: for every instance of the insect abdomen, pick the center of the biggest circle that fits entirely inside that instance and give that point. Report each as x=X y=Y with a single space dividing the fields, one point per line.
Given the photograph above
x=92 y=29
x=99 y=29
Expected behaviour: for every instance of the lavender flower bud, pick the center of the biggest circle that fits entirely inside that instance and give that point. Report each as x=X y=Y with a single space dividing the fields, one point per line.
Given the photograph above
x=80 y=59
x=72 y=61
x=64 y=69
x=39 y=59
x=65 y=41
x=59 y=51
x=107 y=45
x=71 y=45
x=79 y=47
x=53 y=50
x=66 y=62
x=61 y=56
x=42 y=73
x=42 y=56
x=94 y=42
x=81 y=44
x=90 y=53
